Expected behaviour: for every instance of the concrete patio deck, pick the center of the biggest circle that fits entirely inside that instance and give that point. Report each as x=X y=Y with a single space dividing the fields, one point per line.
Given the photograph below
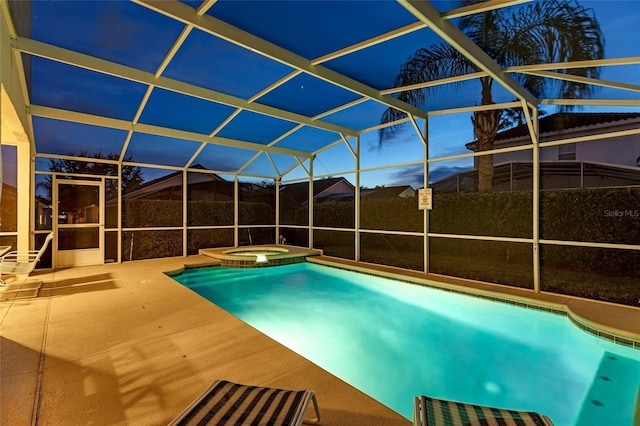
x=124 y=344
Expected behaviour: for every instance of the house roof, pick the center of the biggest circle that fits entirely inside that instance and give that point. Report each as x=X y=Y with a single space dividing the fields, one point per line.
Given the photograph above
x=299 y=191
x=565 y=121
x=569 y=120
x=385 y=191
x=607 y=175
x=169 y=180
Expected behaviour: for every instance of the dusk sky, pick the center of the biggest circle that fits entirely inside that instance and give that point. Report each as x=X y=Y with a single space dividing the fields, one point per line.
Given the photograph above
x=134 y=36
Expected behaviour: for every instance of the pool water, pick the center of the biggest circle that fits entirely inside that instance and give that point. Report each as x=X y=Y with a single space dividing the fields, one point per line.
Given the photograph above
x=395 y=340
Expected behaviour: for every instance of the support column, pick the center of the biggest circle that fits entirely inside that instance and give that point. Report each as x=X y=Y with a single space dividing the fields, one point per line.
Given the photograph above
x=357 y=202
x=236 y=211
x=311 y=201
x=185 y=202
x=425 y=139
x=25 y=193
x=536 y=203
x=277 y=189
x=119 y=192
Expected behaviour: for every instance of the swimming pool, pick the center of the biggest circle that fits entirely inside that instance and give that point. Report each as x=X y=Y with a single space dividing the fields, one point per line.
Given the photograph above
x=395 y=340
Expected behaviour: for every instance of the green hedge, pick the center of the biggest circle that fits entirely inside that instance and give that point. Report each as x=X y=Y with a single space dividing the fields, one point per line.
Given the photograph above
x=610 y=262
x=335 y=243
x=336 y=214
x=206 y=238
x=256 y=236
x=216 y=213
x=506 y=214
x=491 y=261
x=296 y=237
x=391 y=214
x=151 y=213
x=151 y=244
x=8 y=212
x=404 y=251
x=256 y=213
x=595 y=215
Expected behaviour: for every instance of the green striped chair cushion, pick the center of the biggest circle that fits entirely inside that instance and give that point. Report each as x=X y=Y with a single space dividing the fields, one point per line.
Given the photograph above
x=232 y=404
x=438 y=412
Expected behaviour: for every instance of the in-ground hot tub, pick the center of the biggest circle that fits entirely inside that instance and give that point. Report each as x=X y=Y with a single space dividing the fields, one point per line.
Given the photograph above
x=259 y=256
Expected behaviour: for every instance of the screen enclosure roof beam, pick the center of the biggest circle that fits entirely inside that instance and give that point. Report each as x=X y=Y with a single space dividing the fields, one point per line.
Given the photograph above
x=48 y=51
x=219 y=28
x=114 y=123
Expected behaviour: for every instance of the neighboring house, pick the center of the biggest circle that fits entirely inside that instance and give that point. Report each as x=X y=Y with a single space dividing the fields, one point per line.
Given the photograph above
x=608 y=162
x=405 y=191
x=211 y=187
x=621 y=151
x=297 y=194
x=8 y=208
x=169 y=187
x=201 y=186
x=44 y=212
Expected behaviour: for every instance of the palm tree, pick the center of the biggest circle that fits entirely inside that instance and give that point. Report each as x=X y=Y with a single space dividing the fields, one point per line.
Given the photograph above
x=545 y=32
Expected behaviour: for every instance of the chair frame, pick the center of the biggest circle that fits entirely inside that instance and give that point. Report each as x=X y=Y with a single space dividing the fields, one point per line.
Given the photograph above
x=490 y=415
x=22 y=262
x=222 y=398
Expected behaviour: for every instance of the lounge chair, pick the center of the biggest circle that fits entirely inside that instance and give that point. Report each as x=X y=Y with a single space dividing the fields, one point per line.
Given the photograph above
x=438 y=412
x=4 y=249
x=232 y=404
x=22 y=262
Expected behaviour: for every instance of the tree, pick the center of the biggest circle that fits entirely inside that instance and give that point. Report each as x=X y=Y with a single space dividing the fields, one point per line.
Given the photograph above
x=131 y=176
x=544 y=32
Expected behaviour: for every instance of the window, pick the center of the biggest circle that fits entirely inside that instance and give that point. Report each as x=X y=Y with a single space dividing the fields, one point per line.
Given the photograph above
x=567 y=152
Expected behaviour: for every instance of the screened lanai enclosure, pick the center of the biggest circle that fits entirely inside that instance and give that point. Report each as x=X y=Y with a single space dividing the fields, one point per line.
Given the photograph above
x=496 y=141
